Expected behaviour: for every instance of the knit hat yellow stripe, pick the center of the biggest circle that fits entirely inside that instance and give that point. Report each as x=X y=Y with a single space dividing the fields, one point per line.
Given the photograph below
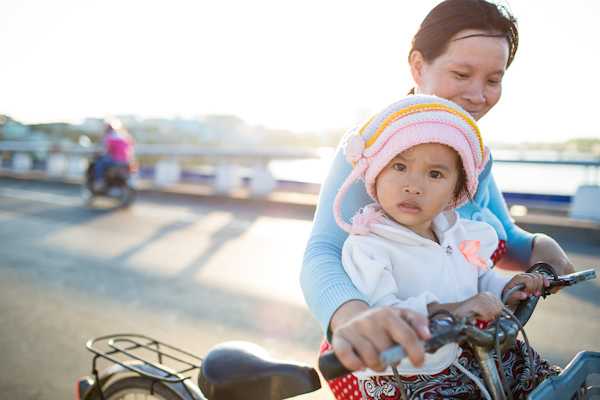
x=419 y=108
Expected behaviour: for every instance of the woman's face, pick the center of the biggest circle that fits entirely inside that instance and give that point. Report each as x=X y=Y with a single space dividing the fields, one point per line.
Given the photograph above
x=468 y=73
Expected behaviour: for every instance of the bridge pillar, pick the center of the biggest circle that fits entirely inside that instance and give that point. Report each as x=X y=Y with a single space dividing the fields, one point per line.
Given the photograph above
x=166 y=172
x=262 y=182
x=56 y=165
x=586 y=202
x=227 y=178
x=22 y=162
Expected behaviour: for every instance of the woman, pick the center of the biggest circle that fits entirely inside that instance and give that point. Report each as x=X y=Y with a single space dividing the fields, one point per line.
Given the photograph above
x=460 y=53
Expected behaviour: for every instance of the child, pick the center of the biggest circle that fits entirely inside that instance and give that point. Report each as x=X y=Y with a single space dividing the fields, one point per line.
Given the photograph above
x=420 y=159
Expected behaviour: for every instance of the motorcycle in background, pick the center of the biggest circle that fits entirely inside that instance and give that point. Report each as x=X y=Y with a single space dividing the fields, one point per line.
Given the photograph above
x=118 y=185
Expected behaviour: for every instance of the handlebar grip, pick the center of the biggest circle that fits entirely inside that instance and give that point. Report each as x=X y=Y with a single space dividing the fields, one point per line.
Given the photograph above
x=575 y=277
x=392 y=356
x=331 y=367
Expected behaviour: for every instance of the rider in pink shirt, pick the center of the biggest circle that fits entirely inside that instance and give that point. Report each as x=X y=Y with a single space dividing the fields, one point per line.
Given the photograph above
x=118 y=150
x=118 y=146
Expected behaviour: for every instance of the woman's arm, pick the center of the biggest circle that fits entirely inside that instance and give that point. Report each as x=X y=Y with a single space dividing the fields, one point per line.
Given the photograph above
x=524 y=248
x=546 y=249
x=519 y=242
x=327 y=289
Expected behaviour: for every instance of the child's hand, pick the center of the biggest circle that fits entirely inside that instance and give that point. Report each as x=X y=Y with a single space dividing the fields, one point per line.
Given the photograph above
x=485 y=306
x=534 y=283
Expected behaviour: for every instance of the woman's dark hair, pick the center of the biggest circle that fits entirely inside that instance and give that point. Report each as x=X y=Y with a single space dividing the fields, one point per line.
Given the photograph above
x=452 y=16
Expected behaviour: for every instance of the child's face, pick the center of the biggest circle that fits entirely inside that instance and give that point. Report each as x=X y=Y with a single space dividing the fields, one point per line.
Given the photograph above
x=418 y=184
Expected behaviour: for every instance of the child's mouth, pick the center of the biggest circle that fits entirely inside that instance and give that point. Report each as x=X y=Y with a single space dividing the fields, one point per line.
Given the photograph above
x=409 y=207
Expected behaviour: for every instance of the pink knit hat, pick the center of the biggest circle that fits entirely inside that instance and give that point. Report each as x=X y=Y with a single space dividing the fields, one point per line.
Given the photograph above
x=414 y=120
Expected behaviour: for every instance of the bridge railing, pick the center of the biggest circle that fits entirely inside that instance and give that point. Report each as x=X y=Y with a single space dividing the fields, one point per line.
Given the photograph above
x=71 y=160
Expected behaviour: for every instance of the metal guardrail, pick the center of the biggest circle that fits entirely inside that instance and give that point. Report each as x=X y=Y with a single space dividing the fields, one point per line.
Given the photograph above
x=71 y=160
x=167 y=150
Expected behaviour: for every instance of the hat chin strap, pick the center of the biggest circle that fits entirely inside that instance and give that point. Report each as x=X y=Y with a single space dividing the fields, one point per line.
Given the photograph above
x=357 y=173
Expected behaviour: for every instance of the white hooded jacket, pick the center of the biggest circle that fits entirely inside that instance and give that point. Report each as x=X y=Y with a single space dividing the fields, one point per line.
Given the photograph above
x=393 y=266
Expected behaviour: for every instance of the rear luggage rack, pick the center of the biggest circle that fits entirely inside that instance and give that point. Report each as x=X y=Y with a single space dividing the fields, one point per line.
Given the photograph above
x=170 y=364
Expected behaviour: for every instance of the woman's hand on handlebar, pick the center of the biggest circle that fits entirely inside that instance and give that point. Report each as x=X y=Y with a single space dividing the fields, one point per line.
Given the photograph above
x=358 y=341
x=534 y=284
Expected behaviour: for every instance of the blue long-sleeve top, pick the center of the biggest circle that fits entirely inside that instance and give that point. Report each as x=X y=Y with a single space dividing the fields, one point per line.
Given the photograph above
x=325 y=284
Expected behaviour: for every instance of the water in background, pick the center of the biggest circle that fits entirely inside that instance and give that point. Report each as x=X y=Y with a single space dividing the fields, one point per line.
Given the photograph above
x=522 y=178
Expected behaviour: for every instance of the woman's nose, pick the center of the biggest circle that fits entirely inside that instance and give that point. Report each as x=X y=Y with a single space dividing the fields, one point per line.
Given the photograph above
x=475 y=93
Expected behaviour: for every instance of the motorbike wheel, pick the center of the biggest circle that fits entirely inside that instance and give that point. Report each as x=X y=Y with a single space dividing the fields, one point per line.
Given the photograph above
x=127 y=196
x=87 y=195
x=136 y=387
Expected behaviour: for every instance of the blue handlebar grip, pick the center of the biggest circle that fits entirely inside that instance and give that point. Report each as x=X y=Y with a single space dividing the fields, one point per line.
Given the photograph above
x=331 y=367
x=392 y=356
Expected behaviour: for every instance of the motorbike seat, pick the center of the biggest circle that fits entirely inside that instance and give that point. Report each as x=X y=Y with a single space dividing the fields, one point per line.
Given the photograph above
x=242 y=370
x=117 y=172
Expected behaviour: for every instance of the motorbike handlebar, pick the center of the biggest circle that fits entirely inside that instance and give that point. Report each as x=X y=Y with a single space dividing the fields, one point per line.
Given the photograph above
x=448 y=330
x=575 y=277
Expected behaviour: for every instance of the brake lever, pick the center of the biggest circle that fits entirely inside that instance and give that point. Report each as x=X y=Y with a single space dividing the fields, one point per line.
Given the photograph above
x=571 y=279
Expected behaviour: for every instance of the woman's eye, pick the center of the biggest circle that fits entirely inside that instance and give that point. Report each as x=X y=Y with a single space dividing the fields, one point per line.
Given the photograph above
x=460 y=75
x=399 y=166
x=435 y=174
x=494 y=82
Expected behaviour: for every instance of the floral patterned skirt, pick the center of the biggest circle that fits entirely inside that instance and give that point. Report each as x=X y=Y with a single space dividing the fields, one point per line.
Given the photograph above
x=450 y=383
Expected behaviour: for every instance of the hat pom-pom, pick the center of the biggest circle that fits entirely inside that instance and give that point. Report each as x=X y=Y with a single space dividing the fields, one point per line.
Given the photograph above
x=361 y=222
x=354 y=148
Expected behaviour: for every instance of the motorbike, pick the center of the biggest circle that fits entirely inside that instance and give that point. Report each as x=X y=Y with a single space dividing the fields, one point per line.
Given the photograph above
x=118 y=185
x=136 y=366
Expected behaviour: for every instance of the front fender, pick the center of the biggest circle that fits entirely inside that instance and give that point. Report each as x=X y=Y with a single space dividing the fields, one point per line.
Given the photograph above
x=571 y=379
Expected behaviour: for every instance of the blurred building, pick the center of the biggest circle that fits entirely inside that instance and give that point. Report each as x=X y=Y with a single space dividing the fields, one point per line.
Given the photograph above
x=12 y=130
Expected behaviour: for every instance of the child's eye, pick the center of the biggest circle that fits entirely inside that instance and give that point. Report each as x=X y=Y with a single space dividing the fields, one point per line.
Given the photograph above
x=436 y=174
x=399 y=166
x=460 y=75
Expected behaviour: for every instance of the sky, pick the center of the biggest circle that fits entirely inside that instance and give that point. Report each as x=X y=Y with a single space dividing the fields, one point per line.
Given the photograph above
x=309 y=65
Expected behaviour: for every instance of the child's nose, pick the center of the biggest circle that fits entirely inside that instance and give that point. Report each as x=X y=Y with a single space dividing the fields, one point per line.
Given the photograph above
x=412 y=189
x=413 y=184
